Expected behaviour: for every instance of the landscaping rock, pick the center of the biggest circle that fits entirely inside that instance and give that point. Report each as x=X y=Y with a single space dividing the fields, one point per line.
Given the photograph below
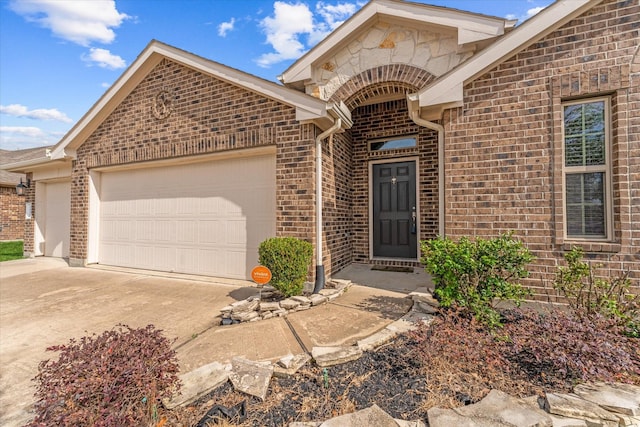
x=317 y=299
x=426 y=308
x=291 y=365
x=251 y=377
x=612 y=397
x=417 y=423
x=199 y=382
x=330 y=356
x=438 y=417
x=302 y=300
x=572 y=406
x=498 y=408
x=289 y=304
x=369 y=417
x=268 y=306
x=376 y=340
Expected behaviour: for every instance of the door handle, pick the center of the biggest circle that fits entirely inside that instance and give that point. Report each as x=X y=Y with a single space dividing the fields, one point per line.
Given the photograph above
x=413 y=221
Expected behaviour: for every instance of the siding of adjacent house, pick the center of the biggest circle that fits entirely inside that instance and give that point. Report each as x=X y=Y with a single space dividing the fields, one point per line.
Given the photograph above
x=11 y=214
x=503 y=152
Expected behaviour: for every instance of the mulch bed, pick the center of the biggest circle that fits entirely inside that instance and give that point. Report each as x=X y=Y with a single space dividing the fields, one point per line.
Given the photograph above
x=389 y=377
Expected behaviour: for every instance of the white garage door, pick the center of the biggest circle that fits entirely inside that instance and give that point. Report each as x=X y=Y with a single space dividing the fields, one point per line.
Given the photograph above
x=202 y=218
x=57 y=214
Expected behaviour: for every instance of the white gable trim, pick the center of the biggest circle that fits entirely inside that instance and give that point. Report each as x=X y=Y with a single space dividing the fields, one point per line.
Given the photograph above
x=447 y=91
x=307 y=107
x=470 y=27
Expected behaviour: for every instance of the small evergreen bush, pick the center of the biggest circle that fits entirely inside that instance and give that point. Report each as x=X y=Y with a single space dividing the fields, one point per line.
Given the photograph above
x=589 y=295
x=288 y=259
x=110 y=380
x=474 y=275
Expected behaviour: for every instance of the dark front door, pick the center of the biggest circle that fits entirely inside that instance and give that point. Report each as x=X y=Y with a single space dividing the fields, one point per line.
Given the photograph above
x=394 y=210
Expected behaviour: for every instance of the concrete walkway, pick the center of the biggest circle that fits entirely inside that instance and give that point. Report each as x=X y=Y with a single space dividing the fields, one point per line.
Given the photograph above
x=44 y=302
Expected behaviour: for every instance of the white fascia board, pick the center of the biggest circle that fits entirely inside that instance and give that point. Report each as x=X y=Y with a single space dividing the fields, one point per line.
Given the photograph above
x=146 y=61
x=471 y=27
x=520 y=38
x=33 y=164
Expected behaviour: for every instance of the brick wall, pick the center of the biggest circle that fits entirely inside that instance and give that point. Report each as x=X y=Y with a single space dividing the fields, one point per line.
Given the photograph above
x=11 y=214
x=504 y=146
x=207 y=115
x=391 y=119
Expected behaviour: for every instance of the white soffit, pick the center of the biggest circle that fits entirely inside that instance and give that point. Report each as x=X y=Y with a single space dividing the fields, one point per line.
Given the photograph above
x=470 y=27
x=448 y=90
x=305 y=105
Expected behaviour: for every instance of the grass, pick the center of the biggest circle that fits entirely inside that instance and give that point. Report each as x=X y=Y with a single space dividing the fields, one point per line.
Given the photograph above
x=11 y=250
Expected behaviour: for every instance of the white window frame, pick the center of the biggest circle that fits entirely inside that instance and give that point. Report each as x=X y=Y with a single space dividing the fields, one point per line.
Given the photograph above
x=604 y=168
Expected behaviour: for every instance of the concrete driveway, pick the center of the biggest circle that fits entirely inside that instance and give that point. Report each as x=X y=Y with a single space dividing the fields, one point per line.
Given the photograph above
x=44 y=302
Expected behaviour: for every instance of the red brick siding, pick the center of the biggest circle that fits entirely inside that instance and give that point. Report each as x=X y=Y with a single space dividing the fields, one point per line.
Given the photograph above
x=208 y=115
x=504 y=147
x=337 y=202
x=11 y=214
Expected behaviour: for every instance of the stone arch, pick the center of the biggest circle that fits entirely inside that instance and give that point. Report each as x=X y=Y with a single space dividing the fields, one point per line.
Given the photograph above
x=384 y=80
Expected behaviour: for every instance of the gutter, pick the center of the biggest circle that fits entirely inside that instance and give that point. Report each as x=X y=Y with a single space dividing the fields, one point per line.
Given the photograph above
x=414 y=113
x=337 y=126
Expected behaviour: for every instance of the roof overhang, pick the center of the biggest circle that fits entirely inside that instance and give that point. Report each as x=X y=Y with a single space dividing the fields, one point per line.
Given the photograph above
x=470 y=28
x=447 y=92
x=307 y=107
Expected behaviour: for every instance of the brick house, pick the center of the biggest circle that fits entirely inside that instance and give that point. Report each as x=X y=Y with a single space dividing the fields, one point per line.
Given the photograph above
x=408 y=121
x=12 y=206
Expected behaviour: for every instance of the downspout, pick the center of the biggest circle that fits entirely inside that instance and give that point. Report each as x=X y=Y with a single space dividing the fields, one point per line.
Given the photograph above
x=415 y=116
x=319 y=285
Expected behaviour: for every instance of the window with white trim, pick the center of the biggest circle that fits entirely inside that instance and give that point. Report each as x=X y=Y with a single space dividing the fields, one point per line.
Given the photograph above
x=586 y=128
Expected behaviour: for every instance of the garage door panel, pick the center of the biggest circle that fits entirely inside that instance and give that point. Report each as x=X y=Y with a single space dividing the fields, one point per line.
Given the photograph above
x=213 y=227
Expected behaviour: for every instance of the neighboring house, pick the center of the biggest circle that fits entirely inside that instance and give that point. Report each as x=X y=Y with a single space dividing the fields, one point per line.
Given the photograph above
x=12 y=206
x=422 y=121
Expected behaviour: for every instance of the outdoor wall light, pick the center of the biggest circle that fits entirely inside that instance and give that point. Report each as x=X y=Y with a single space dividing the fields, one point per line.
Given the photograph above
x=21 y=187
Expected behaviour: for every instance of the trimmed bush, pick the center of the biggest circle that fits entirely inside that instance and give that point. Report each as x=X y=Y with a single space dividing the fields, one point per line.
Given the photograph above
x=109 y=380
x=288 y=259
x=475 y=275
x=589 y=295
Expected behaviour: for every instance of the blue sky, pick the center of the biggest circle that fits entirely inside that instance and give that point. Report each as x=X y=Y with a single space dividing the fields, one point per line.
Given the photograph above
x=57 y=57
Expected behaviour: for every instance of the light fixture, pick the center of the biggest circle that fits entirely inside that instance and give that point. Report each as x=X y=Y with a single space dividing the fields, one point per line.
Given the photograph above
x=21 y=187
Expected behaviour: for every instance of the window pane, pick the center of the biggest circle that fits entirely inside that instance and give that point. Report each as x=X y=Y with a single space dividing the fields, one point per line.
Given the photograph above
x=584 y=134
x=585 y=204
x=594 y=149
x=393 y=144
x=573 y=152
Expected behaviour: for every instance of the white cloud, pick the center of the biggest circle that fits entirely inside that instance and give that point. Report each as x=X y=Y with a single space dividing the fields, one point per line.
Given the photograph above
x=293 y=23
x=19 y=137
x=80 y=22
x=103 y=58
x=225 y=27
x=18 y=110
x=528 y=14
x=105 y=84
x=534 y=11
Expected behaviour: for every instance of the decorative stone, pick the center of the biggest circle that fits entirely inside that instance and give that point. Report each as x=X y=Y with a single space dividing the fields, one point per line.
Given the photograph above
x=199 y=382
x=438 y=417
x=330 y=356
x=376 y=340
x=503 y=410
x=251 y=377
x=292 y=365
x=268 y=315
x=244 y=316
x=289 y=304
x=372 y=416
x=426 y=308
x=268 y=306
x=612 y=397
x=416 y=423
x=572 y=406
x=301 y=299
x=317 y=299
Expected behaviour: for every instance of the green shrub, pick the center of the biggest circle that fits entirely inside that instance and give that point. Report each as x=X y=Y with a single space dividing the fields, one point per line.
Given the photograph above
x=474 y=275
x=589 y=295
x=288 y=259
x=110 y=380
